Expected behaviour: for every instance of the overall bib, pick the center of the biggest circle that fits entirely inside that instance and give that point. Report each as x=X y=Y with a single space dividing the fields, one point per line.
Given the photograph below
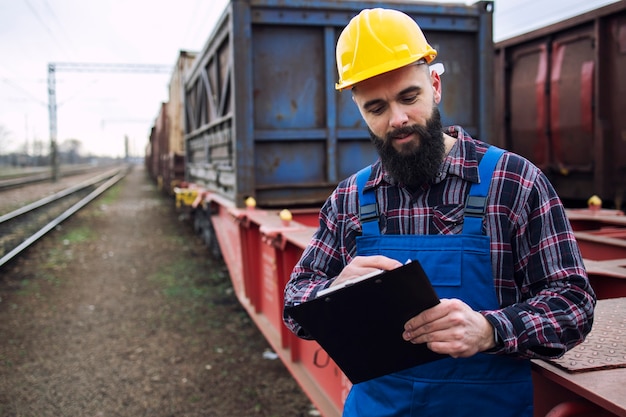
x=459 y=266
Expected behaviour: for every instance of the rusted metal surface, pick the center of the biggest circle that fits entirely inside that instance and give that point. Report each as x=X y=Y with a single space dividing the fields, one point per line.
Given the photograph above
x=600 y=385
x=576 y=408
x=605 y=346
x=590 y=378
x=261 y=113
x=557 y=104
x=159 y=145
x=176 y=140
x=165 y=153
x=260 y=250
x=262 y=119
x=601 y=235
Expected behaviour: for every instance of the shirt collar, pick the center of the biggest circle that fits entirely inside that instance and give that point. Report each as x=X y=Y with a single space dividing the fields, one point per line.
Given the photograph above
x=462 y=160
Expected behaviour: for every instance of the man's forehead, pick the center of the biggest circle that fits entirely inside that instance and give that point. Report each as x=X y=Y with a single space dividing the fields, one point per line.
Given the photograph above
x=394 y=82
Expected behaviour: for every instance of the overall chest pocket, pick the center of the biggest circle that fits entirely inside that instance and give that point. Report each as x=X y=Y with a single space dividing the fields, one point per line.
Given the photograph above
x=440 y=255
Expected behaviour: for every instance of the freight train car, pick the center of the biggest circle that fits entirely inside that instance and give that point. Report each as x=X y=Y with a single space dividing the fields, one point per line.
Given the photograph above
x=165 y=157
x=266 y=133
x=560 y=100
x=156 y=149
x=267 y=138
x=263 y=119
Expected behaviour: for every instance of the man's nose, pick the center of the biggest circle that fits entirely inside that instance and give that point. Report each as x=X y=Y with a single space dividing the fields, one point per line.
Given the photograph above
x=398 y=117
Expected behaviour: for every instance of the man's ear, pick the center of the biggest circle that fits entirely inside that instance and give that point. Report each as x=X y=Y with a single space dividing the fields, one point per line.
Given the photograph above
x=436 y=83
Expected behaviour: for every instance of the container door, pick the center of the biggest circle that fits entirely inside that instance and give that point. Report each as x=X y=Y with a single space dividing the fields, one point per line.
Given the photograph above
x=528 y=104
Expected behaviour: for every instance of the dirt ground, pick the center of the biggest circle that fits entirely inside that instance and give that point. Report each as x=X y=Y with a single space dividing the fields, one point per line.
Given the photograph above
x=121 y=312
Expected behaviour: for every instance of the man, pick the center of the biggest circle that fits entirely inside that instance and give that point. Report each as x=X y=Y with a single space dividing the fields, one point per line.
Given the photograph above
x=504 y=261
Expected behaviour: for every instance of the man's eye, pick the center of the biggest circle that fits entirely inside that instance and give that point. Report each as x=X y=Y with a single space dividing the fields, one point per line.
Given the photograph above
x=409 y=99
x=377 y=109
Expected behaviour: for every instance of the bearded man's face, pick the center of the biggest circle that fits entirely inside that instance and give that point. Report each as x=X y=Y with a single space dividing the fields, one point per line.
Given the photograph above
x=415 y=162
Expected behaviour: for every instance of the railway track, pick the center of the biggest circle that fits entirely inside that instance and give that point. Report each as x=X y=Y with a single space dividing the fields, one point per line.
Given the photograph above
x=8 y=182
x=21 y=228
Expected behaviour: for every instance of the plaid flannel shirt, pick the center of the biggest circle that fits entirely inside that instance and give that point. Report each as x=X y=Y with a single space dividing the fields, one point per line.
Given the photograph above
x=545 y=298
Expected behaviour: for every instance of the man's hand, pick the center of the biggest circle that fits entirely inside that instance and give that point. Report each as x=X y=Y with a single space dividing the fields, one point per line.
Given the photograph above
x=452 y=328
x=362 y=265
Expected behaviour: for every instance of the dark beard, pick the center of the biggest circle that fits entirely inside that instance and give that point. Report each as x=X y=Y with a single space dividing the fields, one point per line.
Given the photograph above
x=415 y=164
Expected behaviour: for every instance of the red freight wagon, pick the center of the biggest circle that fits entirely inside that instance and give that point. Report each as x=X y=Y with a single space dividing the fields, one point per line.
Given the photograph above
x=560 y=102
x=253 y=147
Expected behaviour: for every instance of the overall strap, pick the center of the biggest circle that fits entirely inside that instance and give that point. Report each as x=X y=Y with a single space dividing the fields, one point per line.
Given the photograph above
x=476 y=203
x=368 y=210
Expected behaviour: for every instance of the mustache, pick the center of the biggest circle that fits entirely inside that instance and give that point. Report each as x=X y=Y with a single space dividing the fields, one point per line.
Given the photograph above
x=422 y=131
x=402 y=131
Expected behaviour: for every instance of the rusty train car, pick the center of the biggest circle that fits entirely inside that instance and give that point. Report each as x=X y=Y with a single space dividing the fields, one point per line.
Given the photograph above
x=266 y=139
x=560 y=97
x=165 y=153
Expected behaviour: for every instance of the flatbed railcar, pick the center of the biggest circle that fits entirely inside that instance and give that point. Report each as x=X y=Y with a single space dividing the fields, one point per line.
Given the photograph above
x=266 y=131
x=267 y=138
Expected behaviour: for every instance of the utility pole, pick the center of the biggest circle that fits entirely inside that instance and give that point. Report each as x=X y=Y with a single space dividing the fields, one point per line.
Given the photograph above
x=126 y=154
x=84 y=67
x=52 y=115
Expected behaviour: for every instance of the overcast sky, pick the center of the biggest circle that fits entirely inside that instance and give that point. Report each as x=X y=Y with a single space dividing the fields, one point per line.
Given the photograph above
x=100 y=109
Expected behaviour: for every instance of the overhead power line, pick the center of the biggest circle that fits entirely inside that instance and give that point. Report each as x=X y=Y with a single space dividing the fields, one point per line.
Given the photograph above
x=85 y=67
x=109 y=67
x=27 y=93
x=44 y=24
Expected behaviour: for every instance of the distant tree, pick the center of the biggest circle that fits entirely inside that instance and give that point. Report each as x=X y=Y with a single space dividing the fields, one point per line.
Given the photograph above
x=40 y=149
x=70 y=151
x=4 y=140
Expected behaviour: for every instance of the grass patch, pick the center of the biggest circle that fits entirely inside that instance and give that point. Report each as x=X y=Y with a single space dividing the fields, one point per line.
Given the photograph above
x=193 y=286
x=111 y=195
x=60 y=255
x=77 y=235
x=57 y=259
x=28 y=287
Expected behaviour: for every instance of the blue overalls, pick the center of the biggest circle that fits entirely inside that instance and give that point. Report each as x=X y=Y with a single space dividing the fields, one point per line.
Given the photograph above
x=459 y=266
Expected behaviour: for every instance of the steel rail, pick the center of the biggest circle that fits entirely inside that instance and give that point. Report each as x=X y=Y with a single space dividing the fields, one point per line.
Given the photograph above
x=57 y=196
x=66 y=214
x=37 y=177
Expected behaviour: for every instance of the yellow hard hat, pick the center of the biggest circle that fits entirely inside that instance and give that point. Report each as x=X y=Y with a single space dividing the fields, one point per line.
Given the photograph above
x=377 y=41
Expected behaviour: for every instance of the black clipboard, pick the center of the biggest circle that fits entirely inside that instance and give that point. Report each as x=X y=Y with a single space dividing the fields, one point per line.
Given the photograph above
x=360 y=325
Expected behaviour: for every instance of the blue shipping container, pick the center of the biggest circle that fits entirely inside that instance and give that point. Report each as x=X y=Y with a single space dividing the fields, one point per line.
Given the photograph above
x=262 y=115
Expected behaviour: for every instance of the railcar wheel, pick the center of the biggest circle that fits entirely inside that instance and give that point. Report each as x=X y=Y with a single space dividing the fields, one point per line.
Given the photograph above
x=210 y=239
x=198 y=217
